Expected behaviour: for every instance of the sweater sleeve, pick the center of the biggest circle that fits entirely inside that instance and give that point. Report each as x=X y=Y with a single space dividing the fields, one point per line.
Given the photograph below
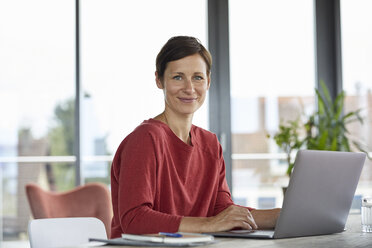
x=137 y=189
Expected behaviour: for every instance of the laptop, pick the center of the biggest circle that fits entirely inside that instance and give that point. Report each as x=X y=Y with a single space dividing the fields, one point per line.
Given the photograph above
x=319 y=196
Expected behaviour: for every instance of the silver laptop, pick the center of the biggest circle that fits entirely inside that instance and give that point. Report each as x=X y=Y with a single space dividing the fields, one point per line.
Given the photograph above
x=318 y=198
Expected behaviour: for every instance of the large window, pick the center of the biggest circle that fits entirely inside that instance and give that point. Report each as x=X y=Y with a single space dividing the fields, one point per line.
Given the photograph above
x=356 y=23
x=119 y=44
x=120 y=41
x=272 y=81
x=36 y=92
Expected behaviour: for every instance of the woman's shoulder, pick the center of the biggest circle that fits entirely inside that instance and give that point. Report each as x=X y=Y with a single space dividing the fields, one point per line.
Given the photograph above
x=141 y=141
x=206 y=140
x=145 y=133
x=203 y=134
x=148 y=128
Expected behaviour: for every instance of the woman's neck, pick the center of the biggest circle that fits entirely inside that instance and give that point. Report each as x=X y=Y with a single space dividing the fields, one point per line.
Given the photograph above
x=180 y=125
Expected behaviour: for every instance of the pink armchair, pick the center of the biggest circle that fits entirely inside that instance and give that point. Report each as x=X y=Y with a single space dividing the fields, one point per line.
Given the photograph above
x=90 y=200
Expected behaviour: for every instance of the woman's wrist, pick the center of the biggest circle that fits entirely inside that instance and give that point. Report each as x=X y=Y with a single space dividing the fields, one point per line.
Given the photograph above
x=195 y=224
x=207 y=224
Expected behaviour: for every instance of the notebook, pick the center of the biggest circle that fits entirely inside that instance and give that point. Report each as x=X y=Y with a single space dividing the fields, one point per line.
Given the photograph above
x=179 y=239
x=318 y=198
x=170 y=238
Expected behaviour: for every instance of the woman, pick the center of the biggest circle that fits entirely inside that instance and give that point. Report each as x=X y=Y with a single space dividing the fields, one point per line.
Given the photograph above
x=169 y=175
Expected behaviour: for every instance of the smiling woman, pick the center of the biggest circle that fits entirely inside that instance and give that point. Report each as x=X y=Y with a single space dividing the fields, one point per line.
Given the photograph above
x=168 y=175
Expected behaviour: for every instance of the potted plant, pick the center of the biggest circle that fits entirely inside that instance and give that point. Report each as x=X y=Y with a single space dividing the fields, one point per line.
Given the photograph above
x=326 y=129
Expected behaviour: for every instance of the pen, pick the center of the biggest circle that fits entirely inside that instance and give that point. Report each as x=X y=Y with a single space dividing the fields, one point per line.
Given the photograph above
x=173 y=235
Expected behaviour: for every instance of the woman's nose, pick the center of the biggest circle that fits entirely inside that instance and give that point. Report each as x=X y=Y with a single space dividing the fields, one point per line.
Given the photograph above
x=189 y=86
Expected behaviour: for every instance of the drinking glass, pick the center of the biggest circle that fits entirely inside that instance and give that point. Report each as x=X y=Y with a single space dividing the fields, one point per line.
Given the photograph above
x=367 y=214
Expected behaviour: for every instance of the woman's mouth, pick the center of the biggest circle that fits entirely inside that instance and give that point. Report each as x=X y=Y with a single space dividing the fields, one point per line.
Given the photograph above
x=187 y=99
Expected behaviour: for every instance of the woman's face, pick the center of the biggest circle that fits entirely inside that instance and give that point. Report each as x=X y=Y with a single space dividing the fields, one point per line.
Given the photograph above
x=185 y=84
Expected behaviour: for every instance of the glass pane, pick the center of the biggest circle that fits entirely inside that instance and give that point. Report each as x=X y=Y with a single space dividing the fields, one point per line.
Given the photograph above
x=255 y=183
x=36 y=76
x=272 y=82
x=356 y=33
x=118 y=69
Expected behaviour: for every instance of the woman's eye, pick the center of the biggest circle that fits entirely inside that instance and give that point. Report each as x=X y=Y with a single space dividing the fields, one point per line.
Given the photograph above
x=198 y=78
x=177 y=77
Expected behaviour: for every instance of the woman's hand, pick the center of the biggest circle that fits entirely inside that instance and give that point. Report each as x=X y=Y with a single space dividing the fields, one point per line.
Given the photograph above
x=231 y=217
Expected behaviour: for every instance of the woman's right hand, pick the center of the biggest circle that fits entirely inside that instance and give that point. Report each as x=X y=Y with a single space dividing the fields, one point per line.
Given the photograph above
x=232 y=217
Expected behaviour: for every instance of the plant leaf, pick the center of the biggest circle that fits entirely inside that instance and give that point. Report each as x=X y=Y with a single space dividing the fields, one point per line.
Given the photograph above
x=339 y=105
x=323 y=140
x=326 y=93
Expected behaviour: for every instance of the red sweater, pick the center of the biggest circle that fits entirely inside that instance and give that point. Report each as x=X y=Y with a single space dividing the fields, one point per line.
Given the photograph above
x=156 y=179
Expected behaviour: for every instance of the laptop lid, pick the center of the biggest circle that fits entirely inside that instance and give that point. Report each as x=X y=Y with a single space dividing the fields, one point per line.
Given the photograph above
x=318 y=198
x=320 y=193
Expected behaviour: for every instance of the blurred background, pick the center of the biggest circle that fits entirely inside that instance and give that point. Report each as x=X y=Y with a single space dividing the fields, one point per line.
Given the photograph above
x=272 y=75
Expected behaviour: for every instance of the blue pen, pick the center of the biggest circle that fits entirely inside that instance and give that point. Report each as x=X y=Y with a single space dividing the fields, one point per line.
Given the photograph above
x=173 y=235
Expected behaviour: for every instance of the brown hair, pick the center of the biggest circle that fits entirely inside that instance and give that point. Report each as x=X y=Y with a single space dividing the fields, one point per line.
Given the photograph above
x=179 y=47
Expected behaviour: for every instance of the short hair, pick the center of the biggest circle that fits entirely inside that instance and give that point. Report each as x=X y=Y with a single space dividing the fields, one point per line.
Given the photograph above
x=179 y=47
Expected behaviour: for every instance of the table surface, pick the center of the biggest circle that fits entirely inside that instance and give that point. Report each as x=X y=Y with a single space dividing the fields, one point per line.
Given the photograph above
x=352 y=237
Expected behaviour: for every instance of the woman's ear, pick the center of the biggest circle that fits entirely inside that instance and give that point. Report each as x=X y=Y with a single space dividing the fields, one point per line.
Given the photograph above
x=158 y=81
x=209 y=81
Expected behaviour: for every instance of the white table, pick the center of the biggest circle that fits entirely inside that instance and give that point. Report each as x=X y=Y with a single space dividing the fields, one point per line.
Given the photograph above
x=352 y=237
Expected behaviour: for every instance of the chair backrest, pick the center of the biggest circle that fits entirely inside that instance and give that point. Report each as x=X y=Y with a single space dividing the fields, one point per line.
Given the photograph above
x=89 y=200
x=63 y=232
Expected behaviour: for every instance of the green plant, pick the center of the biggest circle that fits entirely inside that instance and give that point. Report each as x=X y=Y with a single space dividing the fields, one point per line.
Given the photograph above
x=326 y=129
x=288 y=139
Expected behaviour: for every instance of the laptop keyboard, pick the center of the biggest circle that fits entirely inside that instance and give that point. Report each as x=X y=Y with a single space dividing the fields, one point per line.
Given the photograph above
x=258 y=232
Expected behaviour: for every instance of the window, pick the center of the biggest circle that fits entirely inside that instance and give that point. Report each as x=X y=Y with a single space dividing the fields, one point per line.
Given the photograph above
x=356 y=26
x=37 y=47
x=272 y=81
x=36 y=87
x=120 y=41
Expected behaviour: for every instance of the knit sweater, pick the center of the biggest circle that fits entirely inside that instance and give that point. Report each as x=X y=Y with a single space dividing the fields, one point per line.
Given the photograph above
x=156 y=179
